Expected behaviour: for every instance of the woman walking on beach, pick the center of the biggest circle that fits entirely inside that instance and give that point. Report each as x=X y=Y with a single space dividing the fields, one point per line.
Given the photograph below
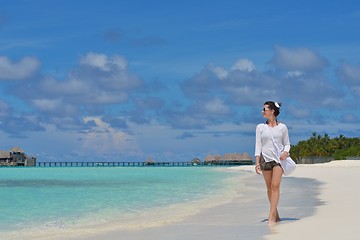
x=266 y=158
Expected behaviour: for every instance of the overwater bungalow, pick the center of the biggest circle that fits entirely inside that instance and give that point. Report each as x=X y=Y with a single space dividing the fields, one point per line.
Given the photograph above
x=16 y=157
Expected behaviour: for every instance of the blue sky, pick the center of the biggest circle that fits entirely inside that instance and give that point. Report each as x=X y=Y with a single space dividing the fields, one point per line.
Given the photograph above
x=174 y=80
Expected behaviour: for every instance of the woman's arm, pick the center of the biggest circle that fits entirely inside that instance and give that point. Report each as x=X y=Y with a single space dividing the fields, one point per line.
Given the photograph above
x=257 y=164
x=286 y=144
x=257 y=149
x=257 y=141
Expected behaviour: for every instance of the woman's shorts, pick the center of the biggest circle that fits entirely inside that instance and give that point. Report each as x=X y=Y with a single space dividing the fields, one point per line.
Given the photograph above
x=267 y=166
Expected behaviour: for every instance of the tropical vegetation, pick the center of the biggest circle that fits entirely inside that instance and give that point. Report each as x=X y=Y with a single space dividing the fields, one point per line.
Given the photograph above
x=324 y=146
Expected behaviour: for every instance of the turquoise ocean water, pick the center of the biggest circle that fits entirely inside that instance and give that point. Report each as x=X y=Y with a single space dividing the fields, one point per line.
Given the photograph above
x=61 y=198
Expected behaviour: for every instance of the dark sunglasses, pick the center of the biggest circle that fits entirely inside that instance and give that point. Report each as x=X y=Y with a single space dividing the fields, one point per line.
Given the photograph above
x=264 y=109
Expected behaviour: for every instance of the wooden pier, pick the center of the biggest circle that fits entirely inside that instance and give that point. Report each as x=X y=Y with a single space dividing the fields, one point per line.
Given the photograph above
x=141 y=164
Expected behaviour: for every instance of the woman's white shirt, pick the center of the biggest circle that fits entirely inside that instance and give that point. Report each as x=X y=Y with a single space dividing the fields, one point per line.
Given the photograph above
x=264 y=143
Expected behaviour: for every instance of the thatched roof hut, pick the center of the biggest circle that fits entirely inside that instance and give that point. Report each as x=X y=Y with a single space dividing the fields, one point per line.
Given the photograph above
x=246 y=156
x=4 y=154
x=16 y=150
x=209 y=158
x=149 y=161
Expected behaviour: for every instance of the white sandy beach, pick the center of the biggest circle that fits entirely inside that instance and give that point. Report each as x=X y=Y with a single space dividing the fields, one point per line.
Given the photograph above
x=319 y=201
x=338 y=217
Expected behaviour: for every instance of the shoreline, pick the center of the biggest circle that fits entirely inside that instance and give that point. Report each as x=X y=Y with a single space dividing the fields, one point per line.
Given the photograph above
x=119 y=199
x=108 y=226
x=212 y=223
x=241 y=218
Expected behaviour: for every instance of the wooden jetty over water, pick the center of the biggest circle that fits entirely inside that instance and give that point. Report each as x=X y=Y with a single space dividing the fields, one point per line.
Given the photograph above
x=142 y=164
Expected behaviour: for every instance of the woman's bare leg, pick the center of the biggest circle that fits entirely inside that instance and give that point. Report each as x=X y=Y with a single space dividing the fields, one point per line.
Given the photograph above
x=275 y=193
x=272 y=181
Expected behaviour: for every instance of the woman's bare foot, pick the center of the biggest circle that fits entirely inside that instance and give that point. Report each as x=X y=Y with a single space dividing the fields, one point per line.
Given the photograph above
x=271 y=222
x=274 y=219
x=277 y=216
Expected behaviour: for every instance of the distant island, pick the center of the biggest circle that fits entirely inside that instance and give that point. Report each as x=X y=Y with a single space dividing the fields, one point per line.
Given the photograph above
x=338 y=148
x=16 y=157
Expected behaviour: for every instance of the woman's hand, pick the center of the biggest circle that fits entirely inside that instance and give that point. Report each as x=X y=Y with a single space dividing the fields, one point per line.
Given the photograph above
x=284 y=155
x=257 y=169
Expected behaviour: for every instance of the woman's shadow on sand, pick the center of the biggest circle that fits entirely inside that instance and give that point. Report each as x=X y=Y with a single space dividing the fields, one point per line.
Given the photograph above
x=282 y=220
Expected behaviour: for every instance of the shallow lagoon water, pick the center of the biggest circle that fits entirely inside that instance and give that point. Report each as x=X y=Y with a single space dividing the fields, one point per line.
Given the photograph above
x=64 y=197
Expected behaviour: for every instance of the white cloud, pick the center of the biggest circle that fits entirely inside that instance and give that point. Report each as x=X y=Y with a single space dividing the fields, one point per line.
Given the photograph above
x=216 y=106
x=349 y=73
x=220 y=72
x=23 y=69
x=47 y=105
x=292 y=74
x=302 y=59
x=96 y=81
x=242 y=86
x=243 y=65
x=103 y=139
x=119 y=61
x=103 y=62
x=95 y=60
x=69 y=87
x=55 y=107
